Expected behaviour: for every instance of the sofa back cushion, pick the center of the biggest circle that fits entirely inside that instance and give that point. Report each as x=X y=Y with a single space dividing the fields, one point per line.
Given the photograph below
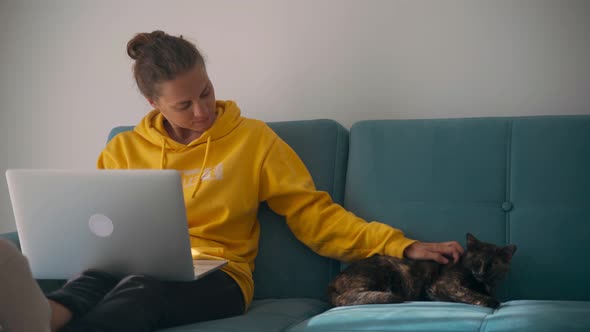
x=506 y=180
x=550 y=194
x=285 y=267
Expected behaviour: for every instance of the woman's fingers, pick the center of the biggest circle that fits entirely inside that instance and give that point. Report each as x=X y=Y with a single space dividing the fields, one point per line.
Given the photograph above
x=437 y=252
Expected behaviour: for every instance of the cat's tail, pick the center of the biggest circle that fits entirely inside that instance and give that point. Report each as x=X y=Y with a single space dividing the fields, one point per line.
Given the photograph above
x=356 y=297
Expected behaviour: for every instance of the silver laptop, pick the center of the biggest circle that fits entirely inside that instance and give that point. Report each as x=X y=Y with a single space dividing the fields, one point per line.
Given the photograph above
x=120 y=221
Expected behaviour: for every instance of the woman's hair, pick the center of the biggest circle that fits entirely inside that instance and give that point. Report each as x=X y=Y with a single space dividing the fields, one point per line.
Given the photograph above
x=160 y=57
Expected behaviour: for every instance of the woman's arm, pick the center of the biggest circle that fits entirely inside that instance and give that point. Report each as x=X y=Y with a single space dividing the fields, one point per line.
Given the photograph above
x=327 y=227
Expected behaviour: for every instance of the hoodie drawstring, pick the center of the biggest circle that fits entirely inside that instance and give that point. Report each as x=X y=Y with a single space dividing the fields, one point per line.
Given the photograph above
x=163 y=163
x=163 y=154
x=202 y=169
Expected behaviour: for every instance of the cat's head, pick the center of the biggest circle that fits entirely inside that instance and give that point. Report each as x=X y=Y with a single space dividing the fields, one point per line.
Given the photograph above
x=487 y=262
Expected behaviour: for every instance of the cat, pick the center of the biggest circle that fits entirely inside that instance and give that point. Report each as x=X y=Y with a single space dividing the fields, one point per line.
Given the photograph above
x=385 y=279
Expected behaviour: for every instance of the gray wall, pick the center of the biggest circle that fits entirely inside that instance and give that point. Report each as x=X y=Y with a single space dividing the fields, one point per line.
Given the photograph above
x=65 y=77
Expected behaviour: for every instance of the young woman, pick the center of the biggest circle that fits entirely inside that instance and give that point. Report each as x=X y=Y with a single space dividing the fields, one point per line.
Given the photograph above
x=229 y=164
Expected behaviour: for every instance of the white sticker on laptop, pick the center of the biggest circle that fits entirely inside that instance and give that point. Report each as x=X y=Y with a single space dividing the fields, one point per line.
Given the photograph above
x=101 y=225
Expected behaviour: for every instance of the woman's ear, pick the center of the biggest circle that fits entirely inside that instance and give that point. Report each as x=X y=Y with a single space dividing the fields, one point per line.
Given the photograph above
x=152 y=102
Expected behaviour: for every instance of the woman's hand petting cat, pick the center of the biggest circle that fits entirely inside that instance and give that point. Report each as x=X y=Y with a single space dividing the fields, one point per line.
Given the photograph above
x=438 y=252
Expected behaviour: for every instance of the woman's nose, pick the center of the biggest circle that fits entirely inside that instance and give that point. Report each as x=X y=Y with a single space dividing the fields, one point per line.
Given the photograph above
x=199 y=110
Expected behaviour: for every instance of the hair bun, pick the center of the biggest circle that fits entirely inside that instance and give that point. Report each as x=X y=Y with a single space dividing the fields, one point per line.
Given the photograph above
x=135 y=46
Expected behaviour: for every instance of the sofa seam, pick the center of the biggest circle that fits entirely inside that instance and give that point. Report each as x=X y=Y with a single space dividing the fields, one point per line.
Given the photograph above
x=507 y=234
x=336 y=162
x=484 y=321
x=305 y=316
x=335 y=267
x=508 y=212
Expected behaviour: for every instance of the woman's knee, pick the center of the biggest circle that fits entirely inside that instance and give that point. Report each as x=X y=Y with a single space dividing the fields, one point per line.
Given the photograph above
x=98 y=275
x=8 y=251
x=136 y=286
x=136 y=280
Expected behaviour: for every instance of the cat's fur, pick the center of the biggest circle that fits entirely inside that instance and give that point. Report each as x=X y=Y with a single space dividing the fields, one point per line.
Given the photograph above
x=384 y=279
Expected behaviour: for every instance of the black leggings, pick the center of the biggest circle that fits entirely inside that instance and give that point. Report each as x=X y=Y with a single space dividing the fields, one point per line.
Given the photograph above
x=101 y=302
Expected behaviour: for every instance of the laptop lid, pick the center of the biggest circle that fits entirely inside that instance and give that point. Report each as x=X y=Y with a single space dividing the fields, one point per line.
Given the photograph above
x=120 y=221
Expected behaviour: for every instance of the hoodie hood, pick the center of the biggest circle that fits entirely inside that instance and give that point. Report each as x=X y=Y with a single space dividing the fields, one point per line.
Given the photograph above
x=152 y=128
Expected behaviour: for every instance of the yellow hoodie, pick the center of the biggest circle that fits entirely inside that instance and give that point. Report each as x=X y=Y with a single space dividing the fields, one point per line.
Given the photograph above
x=227 y=172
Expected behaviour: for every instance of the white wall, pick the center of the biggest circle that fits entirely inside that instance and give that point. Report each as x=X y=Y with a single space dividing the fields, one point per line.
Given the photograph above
x=66 y=79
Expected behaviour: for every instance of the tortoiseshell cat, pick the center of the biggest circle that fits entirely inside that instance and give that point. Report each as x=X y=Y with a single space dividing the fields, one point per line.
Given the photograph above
x=384 y=279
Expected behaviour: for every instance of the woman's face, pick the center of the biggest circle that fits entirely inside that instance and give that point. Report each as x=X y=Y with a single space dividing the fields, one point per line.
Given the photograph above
x=188 y=102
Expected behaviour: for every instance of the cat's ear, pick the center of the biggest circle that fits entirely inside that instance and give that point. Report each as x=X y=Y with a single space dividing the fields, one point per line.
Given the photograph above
x=471 y=240
x=507 y=252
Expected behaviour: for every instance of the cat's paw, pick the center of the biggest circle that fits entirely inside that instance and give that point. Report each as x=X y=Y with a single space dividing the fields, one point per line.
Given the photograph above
x=492 y=303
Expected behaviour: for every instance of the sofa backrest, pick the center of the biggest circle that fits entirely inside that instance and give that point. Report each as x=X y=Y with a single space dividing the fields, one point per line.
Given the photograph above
x=522 y=180
x=286 y=268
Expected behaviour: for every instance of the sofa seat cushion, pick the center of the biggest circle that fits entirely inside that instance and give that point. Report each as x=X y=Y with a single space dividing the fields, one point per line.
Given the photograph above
x=409 y=316
x=524 y=316
x=264 y=315
x=440 y=316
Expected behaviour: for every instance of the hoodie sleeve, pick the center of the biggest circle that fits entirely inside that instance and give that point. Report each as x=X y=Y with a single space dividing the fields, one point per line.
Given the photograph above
x=111 y=157
x=324 y=226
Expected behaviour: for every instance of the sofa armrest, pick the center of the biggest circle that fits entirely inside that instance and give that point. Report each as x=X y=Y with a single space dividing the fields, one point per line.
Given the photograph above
x=12 y=237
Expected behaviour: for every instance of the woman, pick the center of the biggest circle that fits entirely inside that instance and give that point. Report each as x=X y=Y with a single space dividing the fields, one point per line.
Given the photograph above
x=229 y=164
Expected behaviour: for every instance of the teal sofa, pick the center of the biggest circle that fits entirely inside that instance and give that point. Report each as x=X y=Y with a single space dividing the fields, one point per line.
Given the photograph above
x=521 y=180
